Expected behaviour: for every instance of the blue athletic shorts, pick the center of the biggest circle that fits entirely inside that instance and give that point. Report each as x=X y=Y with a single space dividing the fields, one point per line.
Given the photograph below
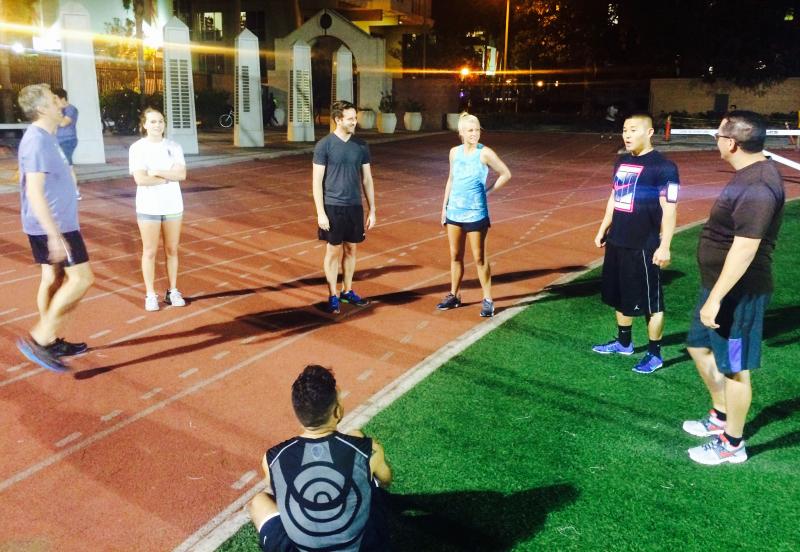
x=736 y=344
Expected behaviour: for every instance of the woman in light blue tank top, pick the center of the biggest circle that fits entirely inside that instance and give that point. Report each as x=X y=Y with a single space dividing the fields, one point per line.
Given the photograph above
x=465 y=212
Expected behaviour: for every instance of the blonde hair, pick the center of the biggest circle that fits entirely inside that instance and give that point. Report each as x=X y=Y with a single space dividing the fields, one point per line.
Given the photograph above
x=31 y=98
x=465 y=119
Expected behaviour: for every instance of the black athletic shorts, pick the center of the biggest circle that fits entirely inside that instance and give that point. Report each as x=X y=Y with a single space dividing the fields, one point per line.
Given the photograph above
x=76 y=254
x=272 y=536
x=631 y=282
x=347 y=224
x=477 y=226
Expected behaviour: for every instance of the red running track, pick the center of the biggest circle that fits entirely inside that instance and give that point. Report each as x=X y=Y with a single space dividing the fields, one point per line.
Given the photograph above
x=162 y=425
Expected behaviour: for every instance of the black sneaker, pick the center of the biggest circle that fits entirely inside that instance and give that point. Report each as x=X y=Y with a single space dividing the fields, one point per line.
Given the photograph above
x=450 y=301
x=61 y=348
x=353 y=298
x=40 y=355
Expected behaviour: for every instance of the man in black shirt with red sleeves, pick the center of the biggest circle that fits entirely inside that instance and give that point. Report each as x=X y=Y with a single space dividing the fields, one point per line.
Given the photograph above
x=637 y=231
x=735 y=259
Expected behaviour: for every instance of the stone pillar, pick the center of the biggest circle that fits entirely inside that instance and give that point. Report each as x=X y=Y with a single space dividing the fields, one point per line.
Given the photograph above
x=342 y=81
x=79 y=77
x=179 y=86
x=301 y=123
x=248 y=130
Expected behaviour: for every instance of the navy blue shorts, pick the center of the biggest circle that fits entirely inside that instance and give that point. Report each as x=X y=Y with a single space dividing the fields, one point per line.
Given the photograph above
x=272 y=536
x=736 y=344
x=346 y=224
x=631 y=282
x=76 y=255
x=477 y=226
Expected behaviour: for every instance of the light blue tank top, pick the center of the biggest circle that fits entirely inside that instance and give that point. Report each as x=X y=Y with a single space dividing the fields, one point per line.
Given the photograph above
x=467 y=201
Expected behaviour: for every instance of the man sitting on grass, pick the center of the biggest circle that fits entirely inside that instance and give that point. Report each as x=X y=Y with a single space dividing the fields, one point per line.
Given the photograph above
x=322 y=486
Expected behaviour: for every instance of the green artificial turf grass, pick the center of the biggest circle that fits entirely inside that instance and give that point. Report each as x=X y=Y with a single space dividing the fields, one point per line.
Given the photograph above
x=529 y=441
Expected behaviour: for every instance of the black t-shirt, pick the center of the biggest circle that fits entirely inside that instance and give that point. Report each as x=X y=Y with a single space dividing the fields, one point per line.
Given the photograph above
x=639 y=182
x=343 y=165
x=750 y=206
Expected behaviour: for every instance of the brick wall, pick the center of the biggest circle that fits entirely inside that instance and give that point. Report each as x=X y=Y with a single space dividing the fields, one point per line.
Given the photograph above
x=695 y=96
x=439 y=96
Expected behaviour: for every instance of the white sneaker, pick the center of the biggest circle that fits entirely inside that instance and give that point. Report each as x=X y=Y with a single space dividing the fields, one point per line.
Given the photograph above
x=707 y=427
x=151 y=302
x=718 y=451
x=175 y=298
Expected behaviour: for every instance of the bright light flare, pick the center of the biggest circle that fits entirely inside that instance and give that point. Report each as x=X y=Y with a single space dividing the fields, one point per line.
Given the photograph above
x=17 y=48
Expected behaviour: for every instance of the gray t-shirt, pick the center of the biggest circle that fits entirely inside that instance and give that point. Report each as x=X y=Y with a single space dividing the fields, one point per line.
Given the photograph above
x=39 y=152
x=343 y=165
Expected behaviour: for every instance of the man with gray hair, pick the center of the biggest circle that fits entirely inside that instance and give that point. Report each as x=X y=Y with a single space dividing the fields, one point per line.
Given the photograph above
x=50 y=220
x=735 y=259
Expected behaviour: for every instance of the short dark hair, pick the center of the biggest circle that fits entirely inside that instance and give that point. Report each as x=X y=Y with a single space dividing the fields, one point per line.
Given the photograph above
x=640 y=115
x=747 y=128
x=61 y=93
x=314 y=395
x=338 y=108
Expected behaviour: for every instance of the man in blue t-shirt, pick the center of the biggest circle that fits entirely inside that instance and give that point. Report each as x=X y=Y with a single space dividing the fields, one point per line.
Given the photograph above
x=636 y=232
x=49 y=211
x=341 y=169
x=67 y=132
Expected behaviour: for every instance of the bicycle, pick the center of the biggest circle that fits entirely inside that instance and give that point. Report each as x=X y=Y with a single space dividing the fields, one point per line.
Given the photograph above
x=226 y=119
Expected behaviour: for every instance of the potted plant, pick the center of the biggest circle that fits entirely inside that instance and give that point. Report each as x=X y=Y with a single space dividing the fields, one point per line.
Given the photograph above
x=387 y=120
x=366 y=118
x=412 y=118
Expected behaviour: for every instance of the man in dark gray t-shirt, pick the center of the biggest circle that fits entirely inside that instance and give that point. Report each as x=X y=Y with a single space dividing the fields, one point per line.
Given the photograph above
x=341 y=169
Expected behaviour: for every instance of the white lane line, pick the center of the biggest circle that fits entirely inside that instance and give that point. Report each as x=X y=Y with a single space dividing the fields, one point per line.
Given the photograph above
x=391 y=260
x=223 y=284
x=422 y=325
x=363 y=376
x=137 y=319
x=285 y=260
x=403 y=254
x=343 y=395
x=209 y=248
x=189 y=254
x=110 y=416
x=68 y=439
x=317 y=246
x=22 y=376
x=150 y=394
x=17 y=367
x=244 y=480
x=9 y=311
x=228 y=242
x=221 y=355
x=187 y=373
x=100 y=334
x=413 y=247
x=386 y=356
x=407 y=339
x=7 y=271
x=265 y=267
x=247 y=340
x=263 y=231
x=303 y=252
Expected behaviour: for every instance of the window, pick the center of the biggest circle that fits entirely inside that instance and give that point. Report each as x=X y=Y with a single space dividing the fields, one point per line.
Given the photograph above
x=211 y=26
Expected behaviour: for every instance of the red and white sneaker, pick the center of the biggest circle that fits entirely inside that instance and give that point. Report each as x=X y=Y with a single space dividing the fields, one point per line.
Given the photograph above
x=718 y=451
x=707 y=427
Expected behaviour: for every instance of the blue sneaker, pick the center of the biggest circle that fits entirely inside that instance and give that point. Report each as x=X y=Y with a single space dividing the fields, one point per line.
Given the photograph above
x=333 y=304
x=649 y=364
x=613 y=347
x=353 y=298
x=487 y=309
x=40 y=355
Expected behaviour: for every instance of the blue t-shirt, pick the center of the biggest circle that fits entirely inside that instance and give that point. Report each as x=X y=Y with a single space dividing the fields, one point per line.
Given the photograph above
x=467 y=199
x=39 y=152
x=68 y=132
x=343 y=168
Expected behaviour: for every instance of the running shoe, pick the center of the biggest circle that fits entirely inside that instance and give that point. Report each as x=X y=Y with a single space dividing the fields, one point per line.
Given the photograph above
x=174 y=298
x=649 y=364
x=151 y=302
x=333 y=304
x=707 y=427
x=353 y=298
x=40 y=355
x=450 y=301
x=613 y=347
x=61 y=348
x=718 y=451
x=487 y=308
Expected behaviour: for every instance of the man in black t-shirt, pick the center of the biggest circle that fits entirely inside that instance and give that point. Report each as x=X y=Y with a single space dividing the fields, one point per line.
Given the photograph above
x=735 y=259
x=341 y=168
x=636 y=232
x=323 y=487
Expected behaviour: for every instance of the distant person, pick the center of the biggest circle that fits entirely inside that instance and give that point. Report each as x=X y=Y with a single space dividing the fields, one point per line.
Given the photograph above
x=341 y=170
x=636 y=232
x=735 y=259
x=610 y=123
x=158 y=167
x=67 y=132
x=50 y=219
x=269 y=114
x=323 y=486
x=465 y=212
x=732 y=107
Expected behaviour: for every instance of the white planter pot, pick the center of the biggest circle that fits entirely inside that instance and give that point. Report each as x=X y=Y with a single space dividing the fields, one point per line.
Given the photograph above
x=412 y=120
x=366 y=119
x=452 y=120
x=387 y=123
x=280 y=116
